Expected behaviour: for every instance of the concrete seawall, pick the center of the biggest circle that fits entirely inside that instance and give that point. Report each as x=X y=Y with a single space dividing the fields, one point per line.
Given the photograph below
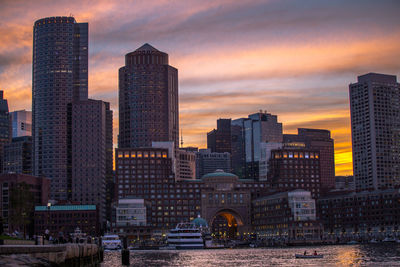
x=62 y=255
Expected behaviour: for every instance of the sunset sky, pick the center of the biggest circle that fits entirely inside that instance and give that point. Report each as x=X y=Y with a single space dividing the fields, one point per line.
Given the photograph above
x=294 y=59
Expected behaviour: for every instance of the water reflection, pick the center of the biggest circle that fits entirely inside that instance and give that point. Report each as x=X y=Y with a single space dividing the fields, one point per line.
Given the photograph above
x=350 y=256
x=347 y=255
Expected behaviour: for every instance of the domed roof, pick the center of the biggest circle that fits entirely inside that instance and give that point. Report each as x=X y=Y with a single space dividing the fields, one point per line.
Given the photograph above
x=219 y=173
x=200 y=222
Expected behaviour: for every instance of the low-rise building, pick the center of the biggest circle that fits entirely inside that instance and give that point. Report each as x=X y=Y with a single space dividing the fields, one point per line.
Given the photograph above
x=130 y=212
x=66 y=218
x=208 y=162
x=12 y=189
x=368 y=214
x=345 y=183
x=287 y=215
x=130 y=219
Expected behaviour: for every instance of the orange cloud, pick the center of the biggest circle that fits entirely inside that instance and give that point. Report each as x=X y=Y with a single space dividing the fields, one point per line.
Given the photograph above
x=234 y=58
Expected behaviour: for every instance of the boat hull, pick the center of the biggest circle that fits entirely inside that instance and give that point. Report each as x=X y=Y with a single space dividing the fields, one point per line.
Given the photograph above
x=300 y=256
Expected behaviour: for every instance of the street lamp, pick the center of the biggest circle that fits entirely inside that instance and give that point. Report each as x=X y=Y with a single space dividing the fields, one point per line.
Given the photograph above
x=47 y=232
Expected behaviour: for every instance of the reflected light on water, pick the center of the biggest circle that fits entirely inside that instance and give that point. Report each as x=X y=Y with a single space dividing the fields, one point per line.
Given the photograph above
x=349 y=256
x=341 y=255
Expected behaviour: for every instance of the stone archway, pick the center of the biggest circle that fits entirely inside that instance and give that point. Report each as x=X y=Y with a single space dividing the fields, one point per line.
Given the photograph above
x=226 y=224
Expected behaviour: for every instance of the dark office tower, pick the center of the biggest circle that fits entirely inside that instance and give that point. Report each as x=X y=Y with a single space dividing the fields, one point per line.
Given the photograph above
x=375 y=130
x=89 y=154
x=5 y=127
x=238 y=151
x=60 y=75
x=219 y=140
x=321 y=141
x=110 y=181
x=18 y=155
x=148 y=99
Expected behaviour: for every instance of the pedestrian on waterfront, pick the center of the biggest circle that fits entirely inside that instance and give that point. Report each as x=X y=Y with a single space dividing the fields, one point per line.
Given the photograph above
x=305 y=252
x=315 y=253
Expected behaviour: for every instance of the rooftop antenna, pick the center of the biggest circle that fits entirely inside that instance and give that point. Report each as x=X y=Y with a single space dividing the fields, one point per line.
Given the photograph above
x=181 y=138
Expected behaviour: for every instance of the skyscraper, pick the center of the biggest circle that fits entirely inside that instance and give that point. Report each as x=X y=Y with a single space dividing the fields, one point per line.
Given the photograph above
x=219 y=140
x=89 y=153
x=258 y=128
x=148 y=99
x=375 y=129
x=60 y=75
x=5 y=127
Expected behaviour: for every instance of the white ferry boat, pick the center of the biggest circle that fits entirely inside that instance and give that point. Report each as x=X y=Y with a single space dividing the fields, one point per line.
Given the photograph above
x=185 y=236
x=111 y=241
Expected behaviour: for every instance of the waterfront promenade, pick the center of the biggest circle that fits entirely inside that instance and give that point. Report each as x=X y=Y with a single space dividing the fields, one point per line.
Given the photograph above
x=48 y=255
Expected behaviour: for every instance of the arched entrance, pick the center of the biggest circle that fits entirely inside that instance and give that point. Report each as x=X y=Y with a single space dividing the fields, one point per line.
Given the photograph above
x=225 y=224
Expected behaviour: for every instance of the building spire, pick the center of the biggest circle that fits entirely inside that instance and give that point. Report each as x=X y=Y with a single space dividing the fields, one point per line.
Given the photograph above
x=181 y=138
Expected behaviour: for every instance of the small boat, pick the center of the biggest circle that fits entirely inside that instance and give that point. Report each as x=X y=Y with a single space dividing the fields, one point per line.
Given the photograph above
x=302 y=256
x=352 y=242
x=389 y=239
x=111 y=242
x=373 y=241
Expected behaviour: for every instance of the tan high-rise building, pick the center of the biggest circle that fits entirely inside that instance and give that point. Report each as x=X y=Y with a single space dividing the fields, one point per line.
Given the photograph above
x=375 y=129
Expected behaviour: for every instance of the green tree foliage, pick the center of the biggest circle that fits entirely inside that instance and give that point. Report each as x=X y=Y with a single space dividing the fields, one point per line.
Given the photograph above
x=22 y=206
x=1 y=226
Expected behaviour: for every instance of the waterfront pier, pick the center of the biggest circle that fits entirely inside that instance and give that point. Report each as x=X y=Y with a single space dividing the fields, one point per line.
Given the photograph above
x=62 y=255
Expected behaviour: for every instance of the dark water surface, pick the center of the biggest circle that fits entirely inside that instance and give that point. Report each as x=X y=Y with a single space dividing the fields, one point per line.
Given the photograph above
x=343 y=255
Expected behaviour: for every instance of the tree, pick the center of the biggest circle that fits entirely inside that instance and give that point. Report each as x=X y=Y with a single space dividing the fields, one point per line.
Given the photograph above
x=22 y=206
x=1 y=226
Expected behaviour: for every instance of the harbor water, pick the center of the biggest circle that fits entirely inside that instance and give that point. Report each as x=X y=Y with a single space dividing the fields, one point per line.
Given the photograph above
x=341 y=255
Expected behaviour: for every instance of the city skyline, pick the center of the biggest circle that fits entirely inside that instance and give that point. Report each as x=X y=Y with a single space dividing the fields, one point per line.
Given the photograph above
x=252 y=55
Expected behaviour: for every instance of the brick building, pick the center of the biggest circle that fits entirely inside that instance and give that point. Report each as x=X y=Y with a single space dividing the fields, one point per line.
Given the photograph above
x=295 y=168
x=38 y=186
x=66 y=218
x=320 y=140
x=368 y=214
x=287 y=215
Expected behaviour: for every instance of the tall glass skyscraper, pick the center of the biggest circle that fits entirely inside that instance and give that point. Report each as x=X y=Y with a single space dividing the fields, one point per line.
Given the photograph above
x=148 y=99
x=60 y=75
